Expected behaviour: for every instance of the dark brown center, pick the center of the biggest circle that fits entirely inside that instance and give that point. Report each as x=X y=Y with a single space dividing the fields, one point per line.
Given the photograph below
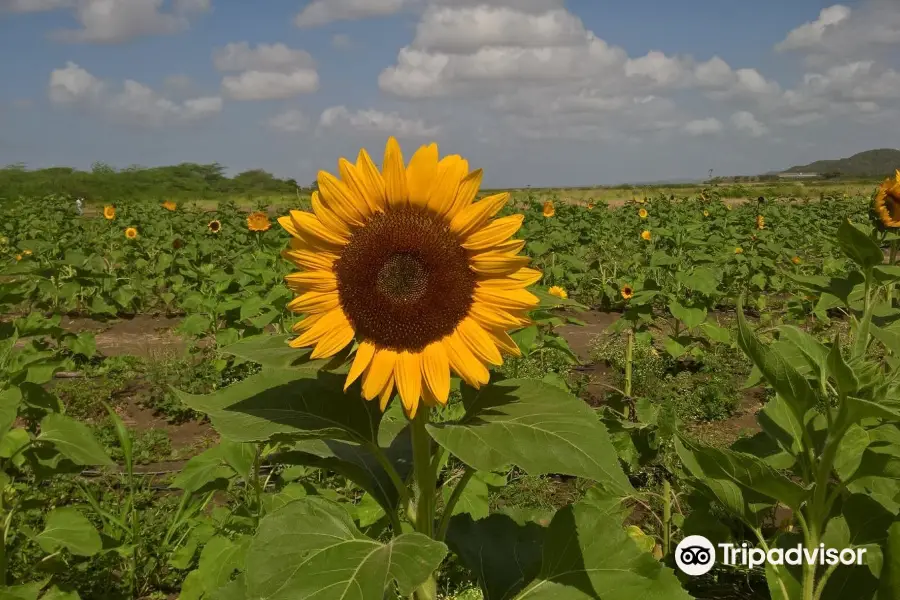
x=404 y=281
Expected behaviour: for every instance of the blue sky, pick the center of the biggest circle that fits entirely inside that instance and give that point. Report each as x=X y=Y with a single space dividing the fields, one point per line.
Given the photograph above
x=536 y=92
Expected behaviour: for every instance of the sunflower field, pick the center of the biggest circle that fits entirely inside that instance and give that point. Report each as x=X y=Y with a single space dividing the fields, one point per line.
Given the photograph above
x=407 y=387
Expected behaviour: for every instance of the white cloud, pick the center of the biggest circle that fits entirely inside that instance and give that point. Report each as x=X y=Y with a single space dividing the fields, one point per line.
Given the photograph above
x=321 y=12
x=26 y=6
x=699 y=127
x=290 y=121
x=811 y=34
x=267 y=72
x=117 y=21
x=135 y=104
x=374 y=121
x=746 y=122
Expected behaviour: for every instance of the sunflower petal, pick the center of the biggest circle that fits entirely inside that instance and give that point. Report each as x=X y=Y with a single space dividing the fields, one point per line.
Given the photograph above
x=308 y=225
x=445 y=186
x=506 y=299
x=465 y=195
x=491 y=316
x=305 y=323
x=314 y=302
x=384 y=396
x=522 y=278
x=395 y=175
x=339 y=198
x=478 y=341
x=372 y=180
x=312 y=281
x=420 y=174
x=472 y=218
x=408 y=376
x=328 y=217
x=493 y=233
x=335 y=340
x=310 y=260
x=322 y=326
x=497 y=264
x=503 y=341
x=361 y=362
x=436 y=368
x=379 y=372
x=358 y=187
x=464 y=362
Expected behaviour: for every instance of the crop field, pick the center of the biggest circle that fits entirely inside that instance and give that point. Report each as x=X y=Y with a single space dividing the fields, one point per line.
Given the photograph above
x=181 y=382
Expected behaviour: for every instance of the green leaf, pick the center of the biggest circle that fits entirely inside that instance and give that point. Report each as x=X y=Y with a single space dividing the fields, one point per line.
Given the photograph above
x=850 y=451
x=272 y=351
x=503 y=555
x=475 y=498
x=716 y=333
x=203 y=469
x=10 y=399
x=311 y=548
x=889 y=581
x=239 y=457
x=58 y=593
x=858 y=245
x=67 y=528
x=844 y=376
x=815 y=352
x=691 y=317
x=27 y=591
x=73 y=440
x=536 y=426
x=702 y=280
x=291 y=402
x=195 y=324
x=220 y=558
x=83 y=344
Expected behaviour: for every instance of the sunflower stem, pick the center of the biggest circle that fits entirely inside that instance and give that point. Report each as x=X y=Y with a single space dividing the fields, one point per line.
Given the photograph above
x=426 y=478
x=629 y=358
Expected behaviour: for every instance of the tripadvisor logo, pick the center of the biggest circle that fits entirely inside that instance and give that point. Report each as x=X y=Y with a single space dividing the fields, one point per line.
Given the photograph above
x=696 y=555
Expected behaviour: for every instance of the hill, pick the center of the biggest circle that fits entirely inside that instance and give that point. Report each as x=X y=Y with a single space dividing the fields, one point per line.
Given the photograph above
x=871 y=163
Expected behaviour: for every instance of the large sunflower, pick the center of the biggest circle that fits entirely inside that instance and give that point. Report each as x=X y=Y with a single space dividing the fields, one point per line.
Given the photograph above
x=407 y=264
x=887 y=202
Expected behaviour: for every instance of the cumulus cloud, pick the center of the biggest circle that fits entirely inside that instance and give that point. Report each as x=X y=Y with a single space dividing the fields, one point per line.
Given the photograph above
x=699 y=127
x=811 y=34
x=290 y=121
x=267 y=72
x=135 y=103
x=27 y=6
x=746 y=122
x=374 y=121
x=322 y=12
x=117 y=21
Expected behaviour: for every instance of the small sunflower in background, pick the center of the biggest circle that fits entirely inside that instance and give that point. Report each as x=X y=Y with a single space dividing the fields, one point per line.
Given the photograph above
x=643 y=213
x=886 y=207
x=796 y=260
x=549 y=209
x=646 y=235
x=705 y=213
x=559 y=292
x=131 y=233
x=214 y=226
x=109 y=212
x=18 y=257
x=404 y=261
x=590 y=206
x=26 y=252
x=627 y=292
x=169 y=205
x=760 y=222
x=258 y=221
x=738 y=250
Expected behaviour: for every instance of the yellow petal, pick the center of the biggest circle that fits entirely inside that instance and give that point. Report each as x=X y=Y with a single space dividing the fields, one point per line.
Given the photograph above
x=361 y=362
x=436 y=369
x=328 y=218
x=358 y=187
x=497 y=264
x=333 y=319
x=493 y=233
x=379 y=372
x=443 y=191
x=408 y=376
x=312 y=281
x=309 y=226
x=473 y=218
x=509 y=247
x=503 y=341
x=306 y=323
x=429 y=399
x=420 y=174
x=491 y=316
x=465 y=195
x=371 y=178
x=522 y=278
x=464 y=362
x=314 y=302
x=338 y=198
x=394 y=173
x=307 y=259
x=506 y=299
x=334 y=341
x=384 y=396
x=478 y=341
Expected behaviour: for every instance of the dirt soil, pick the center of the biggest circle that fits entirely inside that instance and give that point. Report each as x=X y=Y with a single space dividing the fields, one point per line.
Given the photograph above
x=145 y=336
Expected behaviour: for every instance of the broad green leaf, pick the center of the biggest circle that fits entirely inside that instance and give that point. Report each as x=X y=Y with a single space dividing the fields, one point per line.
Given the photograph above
x=292 y=402
x=702 y=280
x=815 y=352
x=311 y=549
x=716 y=333
x=27 y=591
x=67 y=528
x=889 y=581
x=536 y=426
x=239 y=457
x=73 y=440
x=777 y=421
x=503 y=555
x=475 y=497
x=844 y=376
x=195 y=324
x=691 y=317
x=858 y=245
x=850 y=451
x=272 y=351
x=219 y=559
x=58 y=593
x=203 y=469
x=10 y=399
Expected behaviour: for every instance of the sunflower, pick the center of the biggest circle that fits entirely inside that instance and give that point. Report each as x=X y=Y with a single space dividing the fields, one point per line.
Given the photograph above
x=18 y=257
x=738 y=250
x=590 y=206
x=407 y=264
x=109 y=212
x=169 y=205
x=26 y=252
x=887 y=202
x=760 y=222
x=215 y=226
x=705 y=213
x=131 y=233
x=558 y=291
x=796 y=260
x=627 y=291
x=645 y=235
x=258 y=221
x=549 y=209
x=639 y=200
x=643 y=213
